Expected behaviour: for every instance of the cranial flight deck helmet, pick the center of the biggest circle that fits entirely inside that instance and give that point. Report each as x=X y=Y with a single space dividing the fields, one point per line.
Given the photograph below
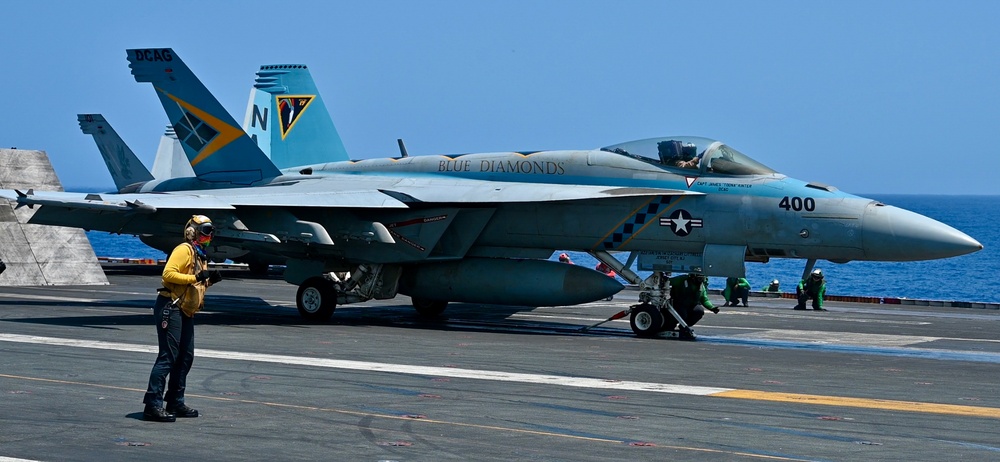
x=817 y=274
x=198 y=225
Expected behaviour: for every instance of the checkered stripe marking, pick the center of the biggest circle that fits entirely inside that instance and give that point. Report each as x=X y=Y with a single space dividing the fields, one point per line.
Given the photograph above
x=636 y=222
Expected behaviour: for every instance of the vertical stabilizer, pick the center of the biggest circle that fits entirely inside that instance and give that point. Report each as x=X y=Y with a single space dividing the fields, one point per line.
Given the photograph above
x=170 y=160
x=218 y=149
x=289 y=120
x=123 y=165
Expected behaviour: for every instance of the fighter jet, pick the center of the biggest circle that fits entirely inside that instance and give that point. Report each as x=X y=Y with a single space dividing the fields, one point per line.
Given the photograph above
x=474 y=227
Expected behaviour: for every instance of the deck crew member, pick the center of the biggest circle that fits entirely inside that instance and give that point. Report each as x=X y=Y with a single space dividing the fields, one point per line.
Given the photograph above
x=813 y=287
x=184 y=278
x=736 y=289
x=688 y=294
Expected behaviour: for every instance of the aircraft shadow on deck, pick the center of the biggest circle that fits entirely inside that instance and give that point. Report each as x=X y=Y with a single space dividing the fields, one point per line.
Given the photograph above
x=250 y=311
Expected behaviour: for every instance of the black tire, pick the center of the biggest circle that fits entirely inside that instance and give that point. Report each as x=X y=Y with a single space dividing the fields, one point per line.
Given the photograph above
x=428 y=308
x=646 y=321
x=316 y=299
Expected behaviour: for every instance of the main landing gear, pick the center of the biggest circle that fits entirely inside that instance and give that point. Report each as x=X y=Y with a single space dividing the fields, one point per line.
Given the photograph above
x=318 y=296
x=316 y=299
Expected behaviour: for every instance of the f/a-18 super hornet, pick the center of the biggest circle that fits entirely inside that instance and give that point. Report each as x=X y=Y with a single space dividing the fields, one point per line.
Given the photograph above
x=477 y=227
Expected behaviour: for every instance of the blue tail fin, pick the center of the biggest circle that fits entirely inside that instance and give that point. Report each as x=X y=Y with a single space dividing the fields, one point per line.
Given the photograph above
x=218 y=149
x=288 y=119
x=123 y=165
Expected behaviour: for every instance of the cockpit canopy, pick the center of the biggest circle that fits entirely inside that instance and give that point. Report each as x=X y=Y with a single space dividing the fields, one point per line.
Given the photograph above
x=691 y=153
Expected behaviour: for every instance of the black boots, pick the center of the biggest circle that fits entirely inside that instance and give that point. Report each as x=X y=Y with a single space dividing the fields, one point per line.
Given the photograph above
x=157 y=414
x=182 y=411
x=170 y=414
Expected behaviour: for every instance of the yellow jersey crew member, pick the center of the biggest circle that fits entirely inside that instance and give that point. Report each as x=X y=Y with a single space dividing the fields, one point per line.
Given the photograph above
x=185 y=278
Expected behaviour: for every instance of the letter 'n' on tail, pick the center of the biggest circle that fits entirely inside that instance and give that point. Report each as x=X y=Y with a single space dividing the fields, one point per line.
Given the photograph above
x=218 y=149
x=123 y=165
x=288 y=119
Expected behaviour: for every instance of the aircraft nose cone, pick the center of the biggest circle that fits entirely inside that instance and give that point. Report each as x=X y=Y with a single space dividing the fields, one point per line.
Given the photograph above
x=894 y=234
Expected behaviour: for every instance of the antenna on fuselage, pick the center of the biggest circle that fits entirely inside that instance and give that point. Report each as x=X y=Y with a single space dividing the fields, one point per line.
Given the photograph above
x=402 y=147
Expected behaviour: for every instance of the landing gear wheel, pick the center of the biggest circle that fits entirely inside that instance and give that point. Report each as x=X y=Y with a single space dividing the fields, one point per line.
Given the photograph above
x=428 y=308
x=646 y=320
x=316 y=299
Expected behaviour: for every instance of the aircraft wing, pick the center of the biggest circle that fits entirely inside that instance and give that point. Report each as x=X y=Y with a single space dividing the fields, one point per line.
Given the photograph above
x=382 y=194
x=201 y=200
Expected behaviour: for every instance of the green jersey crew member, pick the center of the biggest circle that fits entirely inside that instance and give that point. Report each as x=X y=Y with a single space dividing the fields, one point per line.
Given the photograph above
x=736 y=289
x=687 y=295
x=813 y=287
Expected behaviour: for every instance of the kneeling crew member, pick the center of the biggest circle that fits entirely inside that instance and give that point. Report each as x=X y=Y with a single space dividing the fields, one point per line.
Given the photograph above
x=688 y=294
x=813 y=287
x=736 y=289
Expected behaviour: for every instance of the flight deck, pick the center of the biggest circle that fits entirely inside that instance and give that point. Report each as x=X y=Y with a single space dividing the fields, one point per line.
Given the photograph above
x=377 y=382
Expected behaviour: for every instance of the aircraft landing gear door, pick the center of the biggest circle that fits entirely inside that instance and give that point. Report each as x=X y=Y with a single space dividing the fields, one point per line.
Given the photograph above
x=715 y=260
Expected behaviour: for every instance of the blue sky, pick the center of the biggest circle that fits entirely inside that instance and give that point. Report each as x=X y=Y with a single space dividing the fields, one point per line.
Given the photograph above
x=868 y=96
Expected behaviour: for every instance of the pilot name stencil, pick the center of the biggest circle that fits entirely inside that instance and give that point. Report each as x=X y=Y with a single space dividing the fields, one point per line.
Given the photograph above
x=715 y=184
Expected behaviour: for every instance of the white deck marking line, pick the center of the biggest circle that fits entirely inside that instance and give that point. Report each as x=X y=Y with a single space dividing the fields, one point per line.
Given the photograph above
x=581 y=382
x=568 y=381
x=51 y=298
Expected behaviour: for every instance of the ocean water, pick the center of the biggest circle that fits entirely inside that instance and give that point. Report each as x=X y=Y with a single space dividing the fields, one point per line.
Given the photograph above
x=964 y=278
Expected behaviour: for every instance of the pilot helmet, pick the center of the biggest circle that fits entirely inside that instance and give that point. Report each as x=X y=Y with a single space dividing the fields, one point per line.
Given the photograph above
x=689 y=150
x=563 y=257
x=198 y=225
x=817 y=274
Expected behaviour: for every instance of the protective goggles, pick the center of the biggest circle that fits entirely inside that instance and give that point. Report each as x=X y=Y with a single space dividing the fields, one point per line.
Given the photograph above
x=206 y=229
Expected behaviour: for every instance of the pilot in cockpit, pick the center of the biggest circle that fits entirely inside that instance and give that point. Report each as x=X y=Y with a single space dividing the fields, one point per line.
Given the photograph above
x=677 y=154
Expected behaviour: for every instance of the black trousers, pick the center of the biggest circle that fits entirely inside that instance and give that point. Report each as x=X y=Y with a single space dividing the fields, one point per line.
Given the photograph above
x=691 y=314
x=175 y=357
x=738 y=293
x=804 y=297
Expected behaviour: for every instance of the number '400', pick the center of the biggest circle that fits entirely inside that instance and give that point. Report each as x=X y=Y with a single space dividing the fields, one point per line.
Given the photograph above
x=798 y=204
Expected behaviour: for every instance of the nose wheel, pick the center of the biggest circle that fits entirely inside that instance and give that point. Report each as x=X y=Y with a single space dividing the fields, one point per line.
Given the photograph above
x=646 y=320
